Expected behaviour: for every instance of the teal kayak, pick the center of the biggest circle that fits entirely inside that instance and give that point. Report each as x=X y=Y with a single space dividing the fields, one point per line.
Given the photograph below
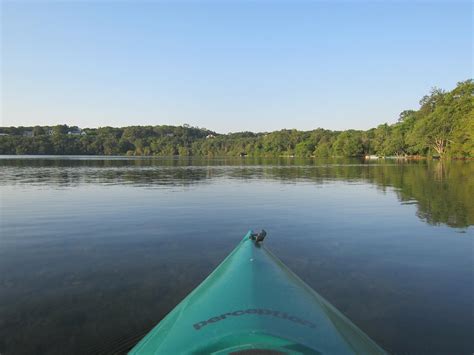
x=252 y=303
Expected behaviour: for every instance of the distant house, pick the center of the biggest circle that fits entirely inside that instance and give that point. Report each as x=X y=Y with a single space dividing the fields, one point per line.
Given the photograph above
x=169 y=134
x=77 y=132
x=49 y=131
x=210 y=136
x=28 y=134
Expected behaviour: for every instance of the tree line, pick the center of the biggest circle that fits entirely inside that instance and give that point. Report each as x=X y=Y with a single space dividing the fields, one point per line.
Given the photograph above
x=443 y=126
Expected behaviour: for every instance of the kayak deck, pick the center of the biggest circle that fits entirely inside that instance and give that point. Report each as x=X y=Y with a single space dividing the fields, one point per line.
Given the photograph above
x=253 y=301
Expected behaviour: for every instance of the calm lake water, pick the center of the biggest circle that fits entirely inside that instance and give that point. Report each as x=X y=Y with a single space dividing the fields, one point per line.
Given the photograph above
x=95 y=251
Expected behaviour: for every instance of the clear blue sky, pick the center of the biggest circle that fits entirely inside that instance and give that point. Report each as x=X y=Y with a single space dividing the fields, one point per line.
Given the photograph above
x=228 y=66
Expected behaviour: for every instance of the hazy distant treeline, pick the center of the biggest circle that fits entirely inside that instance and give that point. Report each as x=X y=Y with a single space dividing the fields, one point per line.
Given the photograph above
x=442 y=126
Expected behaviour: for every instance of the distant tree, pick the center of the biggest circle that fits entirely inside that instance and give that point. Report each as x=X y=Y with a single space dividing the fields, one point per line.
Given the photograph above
x=322 y=150
x=348 y=144
x=380 y=141
x=444 y=113
x=38 y=131
x=304 y=148
x=404 y=115
x=60 y=129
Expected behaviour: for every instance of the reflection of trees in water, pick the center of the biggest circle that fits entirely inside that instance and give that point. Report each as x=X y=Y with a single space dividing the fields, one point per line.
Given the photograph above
x=442 y=189
x=444 y=193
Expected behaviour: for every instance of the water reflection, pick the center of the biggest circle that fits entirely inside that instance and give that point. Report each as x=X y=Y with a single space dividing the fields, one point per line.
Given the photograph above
x=94 y=251
x=441 y=190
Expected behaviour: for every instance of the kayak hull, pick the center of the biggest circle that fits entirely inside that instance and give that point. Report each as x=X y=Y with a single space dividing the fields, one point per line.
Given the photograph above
x=253 y=301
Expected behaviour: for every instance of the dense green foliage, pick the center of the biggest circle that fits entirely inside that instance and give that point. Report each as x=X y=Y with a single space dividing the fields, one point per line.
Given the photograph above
x=443 y=126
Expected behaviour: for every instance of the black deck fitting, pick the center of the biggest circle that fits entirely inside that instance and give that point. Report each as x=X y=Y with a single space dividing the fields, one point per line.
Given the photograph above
x=258 y=237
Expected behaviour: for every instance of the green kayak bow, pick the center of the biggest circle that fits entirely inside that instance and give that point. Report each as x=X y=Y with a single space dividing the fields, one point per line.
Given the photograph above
x=252 y=303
